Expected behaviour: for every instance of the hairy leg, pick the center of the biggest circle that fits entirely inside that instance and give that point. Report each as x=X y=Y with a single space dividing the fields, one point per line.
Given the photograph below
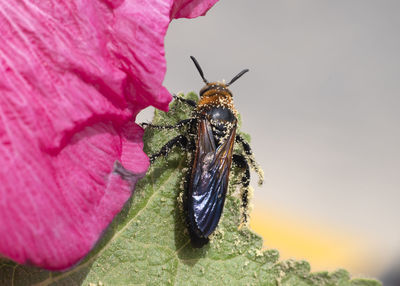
x=250 y=157
x=180 y=124
x=186 y=101
x=241 y=162
x=179 y=140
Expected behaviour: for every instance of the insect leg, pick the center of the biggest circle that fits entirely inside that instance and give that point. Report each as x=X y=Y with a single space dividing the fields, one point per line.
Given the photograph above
x=176 y=126
x=241 y=162
x=184 y=100
x=250 y=156
x=179 y=140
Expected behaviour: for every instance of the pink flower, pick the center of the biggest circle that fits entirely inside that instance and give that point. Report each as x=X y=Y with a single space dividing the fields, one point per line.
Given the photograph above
x=73 y=76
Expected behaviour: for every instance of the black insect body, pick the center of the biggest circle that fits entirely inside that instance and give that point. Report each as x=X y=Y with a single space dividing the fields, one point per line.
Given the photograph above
x=210 y=134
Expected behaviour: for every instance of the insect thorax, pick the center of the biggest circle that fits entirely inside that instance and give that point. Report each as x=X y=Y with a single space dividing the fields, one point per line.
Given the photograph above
x=216 y=104
x=216 y=95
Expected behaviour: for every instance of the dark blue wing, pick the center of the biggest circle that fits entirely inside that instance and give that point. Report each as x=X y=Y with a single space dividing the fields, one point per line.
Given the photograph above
x=209 y=179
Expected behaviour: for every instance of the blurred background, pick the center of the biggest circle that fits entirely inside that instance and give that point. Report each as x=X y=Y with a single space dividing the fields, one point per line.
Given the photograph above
x=322 y=104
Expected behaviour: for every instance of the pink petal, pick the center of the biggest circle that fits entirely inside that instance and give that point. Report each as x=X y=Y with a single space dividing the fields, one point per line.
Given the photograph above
x=190 y=9
x=73 y=76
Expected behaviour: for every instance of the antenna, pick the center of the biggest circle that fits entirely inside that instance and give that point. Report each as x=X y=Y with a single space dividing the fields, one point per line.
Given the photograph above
x=196 y=63
x=237 y=76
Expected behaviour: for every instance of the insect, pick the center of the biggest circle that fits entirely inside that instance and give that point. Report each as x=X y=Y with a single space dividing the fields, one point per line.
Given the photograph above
x=210 y=135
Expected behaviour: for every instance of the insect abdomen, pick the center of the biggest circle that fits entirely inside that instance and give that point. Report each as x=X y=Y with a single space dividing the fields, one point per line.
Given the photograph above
x=210 y=172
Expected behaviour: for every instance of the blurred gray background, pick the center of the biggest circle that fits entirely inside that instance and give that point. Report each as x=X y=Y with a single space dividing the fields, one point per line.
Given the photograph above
x=321 y=102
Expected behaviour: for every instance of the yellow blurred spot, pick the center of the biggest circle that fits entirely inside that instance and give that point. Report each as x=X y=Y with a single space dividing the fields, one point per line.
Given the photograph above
x=324 y=248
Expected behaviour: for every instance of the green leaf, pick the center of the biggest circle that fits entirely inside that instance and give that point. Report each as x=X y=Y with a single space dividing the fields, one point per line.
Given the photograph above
x=148 y=244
